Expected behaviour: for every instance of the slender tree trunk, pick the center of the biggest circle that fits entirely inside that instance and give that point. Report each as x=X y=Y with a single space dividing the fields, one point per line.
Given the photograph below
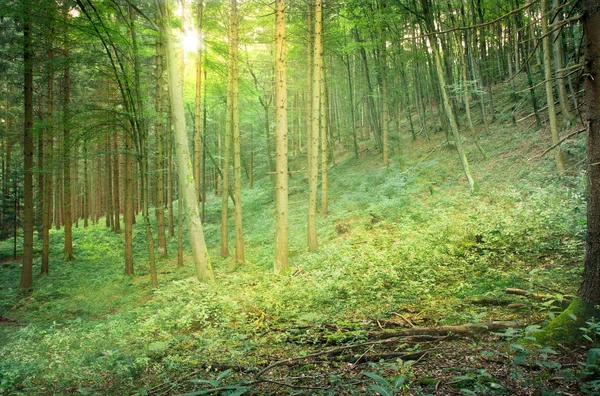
x=227 y=149
x=86 y=187
x=198 y=107
x=115 y=168
x=204 y=125
x=352 y=116
x=170 y=181
x=67 y=200
x=48 y=158
x=179 y=230
x=558 y=65
x=129 y=197
x=384 y=105
x=143 y=148
x=445 y=99
x=160 y=152
x=235 y=125
x=314 y=149
x=186 y=179
x=558 y=155
x=281 y=234
x=110 y=221
x=323 y=118
x=27 y=270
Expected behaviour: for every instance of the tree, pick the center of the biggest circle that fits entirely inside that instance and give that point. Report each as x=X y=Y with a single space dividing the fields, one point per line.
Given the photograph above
x=187 y=185
x=589 y=291
x=27 y=269
x=558 y=154
x=427 y=12
x=160 y=152
x=281 y=187
x=66 y=168
x=235 y=129
x=313 y=163
x=567 y=324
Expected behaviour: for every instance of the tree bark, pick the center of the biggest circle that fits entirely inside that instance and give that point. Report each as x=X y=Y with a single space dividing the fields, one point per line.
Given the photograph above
x=235 y=126
x=558 y=154
x=186 y=176
x=67 y=199
x=48 y=154
x=160 y=152
x=281 y=187
x=314 y=143
x=198 y=107
x=27 y=270
x=589 y=291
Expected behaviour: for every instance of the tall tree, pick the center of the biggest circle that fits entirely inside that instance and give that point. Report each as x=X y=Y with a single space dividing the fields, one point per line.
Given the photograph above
x=281 y=187
x=558 y=154
x=184 y=165
x=67 y=199
x=313 y=172
x=49 y=145
x=589 y=291
x=27 y=269
x=197 y=104
x=430 y=27
x=235 y=129
x=160 y=151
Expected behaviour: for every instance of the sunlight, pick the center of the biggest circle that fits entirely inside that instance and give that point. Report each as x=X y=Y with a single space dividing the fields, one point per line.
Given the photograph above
x=190 y=40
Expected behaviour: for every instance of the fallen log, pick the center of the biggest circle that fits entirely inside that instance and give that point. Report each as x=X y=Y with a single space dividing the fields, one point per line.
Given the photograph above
x=464 y=330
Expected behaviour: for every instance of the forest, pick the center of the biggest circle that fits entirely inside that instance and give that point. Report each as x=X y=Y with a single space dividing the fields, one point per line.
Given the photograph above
x=329 y=197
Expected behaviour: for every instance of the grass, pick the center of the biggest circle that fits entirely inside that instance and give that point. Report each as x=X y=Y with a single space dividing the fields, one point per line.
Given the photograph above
x=405 y=241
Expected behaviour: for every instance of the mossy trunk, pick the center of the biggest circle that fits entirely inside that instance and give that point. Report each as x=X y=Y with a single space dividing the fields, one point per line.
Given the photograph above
x=566 y=327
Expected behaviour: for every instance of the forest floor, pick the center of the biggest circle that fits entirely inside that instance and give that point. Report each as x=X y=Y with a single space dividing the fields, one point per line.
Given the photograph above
x=401 y=248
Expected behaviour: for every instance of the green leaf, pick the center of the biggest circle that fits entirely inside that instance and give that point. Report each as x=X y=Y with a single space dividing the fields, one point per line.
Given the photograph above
x=517 y=347
x=531 y=329
x=572 y=316
x=212 y=383
x=468 y=392
x=399 y=381
x=223 y=374
x=383 y=391
x=519 y=359
x=377 y=378
x=592 y=356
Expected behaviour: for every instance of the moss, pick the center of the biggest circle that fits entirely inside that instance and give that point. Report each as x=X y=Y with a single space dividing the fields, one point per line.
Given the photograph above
x=565 y=328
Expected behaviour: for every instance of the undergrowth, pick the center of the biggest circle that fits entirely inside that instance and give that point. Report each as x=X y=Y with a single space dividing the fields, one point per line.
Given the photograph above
x=408 y=241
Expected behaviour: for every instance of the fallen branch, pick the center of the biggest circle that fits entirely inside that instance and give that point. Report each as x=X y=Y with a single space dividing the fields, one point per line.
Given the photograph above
x=464 y=330
x=386 y=356
x=561 y=141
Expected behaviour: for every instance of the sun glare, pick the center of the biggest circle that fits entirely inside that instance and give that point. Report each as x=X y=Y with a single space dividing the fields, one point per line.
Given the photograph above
x=190 y=41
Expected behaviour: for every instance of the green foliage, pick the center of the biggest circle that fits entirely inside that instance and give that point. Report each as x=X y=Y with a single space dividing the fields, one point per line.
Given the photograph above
x=388 y=246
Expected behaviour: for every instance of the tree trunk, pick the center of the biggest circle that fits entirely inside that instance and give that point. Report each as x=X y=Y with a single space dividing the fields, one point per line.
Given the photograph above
x=186 y=178
x=27 y=270
x=281 y=234
x=115 y=168
x=558 y=154
x=323 y=118
x=446 y=101
x=198 y=107
x=589 y=291
x=160 y=152
x=227 y=149
x=67 y=199
x=558 y=65
x=129 y=196
x=48 y=154
x=235 y=126
x=314 y=148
